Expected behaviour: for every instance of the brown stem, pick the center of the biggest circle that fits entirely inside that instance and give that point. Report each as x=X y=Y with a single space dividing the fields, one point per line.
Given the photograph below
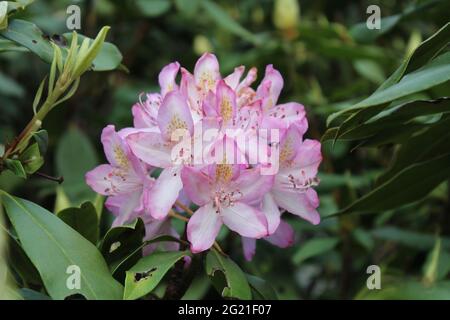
x=51 y=178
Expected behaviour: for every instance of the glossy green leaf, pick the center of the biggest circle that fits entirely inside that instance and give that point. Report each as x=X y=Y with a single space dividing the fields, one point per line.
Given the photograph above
x=41 y=138
x=75 y=156
x=53 y=246
x=16 y=167
x=83 y=219
x=145 y=275
x=223 y=19
x=314 y=247
x=409 y=185
x=261 y=289
x=31 y=159
x=153 y=8
x=227 y=277
x=120 y=247
x=401 y=289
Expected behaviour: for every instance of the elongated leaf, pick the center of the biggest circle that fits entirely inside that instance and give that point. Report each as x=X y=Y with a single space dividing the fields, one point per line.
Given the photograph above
x=227 y=277
x=83 y=219
x=121 y=242
x=427 y=50
x=145 y=275
x=261 y=290
x=427 y=144
x=221 y=17
x=313 y=248
x=410 y=289
x=28 y=35
x=53 y=246
x=409 y=185
x=432 y=74
x=75 y=155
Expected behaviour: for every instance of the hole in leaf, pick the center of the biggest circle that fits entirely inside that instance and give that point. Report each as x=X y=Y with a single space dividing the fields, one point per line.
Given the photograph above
x=138 y=276
x=114 y=246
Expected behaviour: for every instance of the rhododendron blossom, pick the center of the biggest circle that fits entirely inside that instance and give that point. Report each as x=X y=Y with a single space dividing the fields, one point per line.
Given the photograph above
x=231 y=186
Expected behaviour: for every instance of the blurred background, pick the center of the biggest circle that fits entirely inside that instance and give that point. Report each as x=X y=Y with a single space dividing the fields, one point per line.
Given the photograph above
x=329 y=61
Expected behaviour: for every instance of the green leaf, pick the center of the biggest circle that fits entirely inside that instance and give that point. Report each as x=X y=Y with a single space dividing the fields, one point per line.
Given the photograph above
x=435 y=72
x=409 y=185
x=16 y=167
x=22 y=264
x=41 y=137
x=261 y=290
x=75 y=156
x=53 y=246
x=83 y=219
x=31 y=159
x=426 y=51
x=362 y=34
x=28 y=35
x=223 y=20
x=433 y=142
x=145 y=275
x=227 y=277
x=432 y=264
x=409 y=289
x=314 y=247
x=153 y=8
x=120 y=247
x=412 y=239
x=29 y=294
x=10 y=88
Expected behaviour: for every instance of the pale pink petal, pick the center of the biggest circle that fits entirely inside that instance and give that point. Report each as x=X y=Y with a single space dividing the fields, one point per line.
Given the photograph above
x=151 y=148
x=167 y=77
x=249 y=248
x=248 y=80
x=252 y=185
x=116 y=150
x=233 y=79
x=146 y=112
x=270 y=88
x=272 y=212
x=206 y=72
x=108 y=180
x=226 y=103
x=164 y=192
x=189 y=89
x=289 y=113
x=283 y=237
x=155 y=228
x=174 y=114
x=197 y=185
x=124 y=207
x=245 y=220
x=308 y=158
x=299 y=203
x=203 y=228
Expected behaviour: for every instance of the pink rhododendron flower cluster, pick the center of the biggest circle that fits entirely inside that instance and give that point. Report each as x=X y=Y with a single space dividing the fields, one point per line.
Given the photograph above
x=244 y=186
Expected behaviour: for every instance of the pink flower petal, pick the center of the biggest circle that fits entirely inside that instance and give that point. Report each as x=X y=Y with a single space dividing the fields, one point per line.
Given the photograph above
x=165 y=192
x=245 y=220
x=151 y=148
x=197 y=185
x=174 y=114
x=298 y=203
x=206 y=72
x=203 y=228
x=249 y=248
x=283 y=237
x=167 y=77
